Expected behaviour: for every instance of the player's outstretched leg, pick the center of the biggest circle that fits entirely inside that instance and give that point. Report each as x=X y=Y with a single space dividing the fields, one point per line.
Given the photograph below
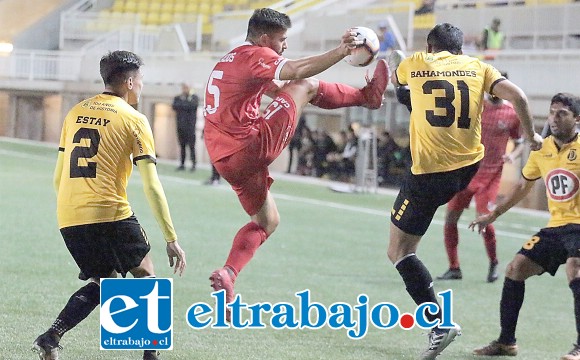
x=46 y=346
x=223 y=279
x=374 y=91
x=439 y=339
x=336 y=95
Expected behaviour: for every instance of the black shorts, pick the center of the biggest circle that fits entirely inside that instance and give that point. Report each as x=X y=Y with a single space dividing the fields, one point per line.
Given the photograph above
x=421 y=195
x=551 y=247
x=99 y=249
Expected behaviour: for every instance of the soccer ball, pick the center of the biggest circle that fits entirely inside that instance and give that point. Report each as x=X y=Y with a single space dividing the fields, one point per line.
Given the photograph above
x=364 y=54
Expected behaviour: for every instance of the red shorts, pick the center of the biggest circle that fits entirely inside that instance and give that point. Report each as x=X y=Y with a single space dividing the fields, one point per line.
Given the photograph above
x=484 y=186
x=247 y=170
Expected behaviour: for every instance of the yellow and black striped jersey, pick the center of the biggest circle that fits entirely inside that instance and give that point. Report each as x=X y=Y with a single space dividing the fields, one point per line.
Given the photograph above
x=447 y=99
x=561 y=172
x=99 y=138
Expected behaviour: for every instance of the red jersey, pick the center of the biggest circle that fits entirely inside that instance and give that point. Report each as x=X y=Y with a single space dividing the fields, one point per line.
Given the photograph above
x=499 y=123
x=233 y=95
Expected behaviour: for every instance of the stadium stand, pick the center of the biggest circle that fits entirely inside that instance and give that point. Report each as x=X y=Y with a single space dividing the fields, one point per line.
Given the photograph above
x=542 y=35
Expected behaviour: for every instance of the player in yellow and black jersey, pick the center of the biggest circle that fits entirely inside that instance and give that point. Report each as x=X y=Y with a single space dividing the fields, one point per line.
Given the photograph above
x=558 y=163
x=101 y=138
x=446 y=95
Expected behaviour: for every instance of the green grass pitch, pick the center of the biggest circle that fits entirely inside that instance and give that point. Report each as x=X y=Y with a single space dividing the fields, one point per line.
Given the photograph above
x=333 y=244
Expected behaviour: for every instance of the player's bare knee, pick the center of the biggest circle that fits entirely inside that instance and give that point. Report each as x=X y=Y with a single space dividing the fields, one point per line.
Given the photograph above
x=141 y=272
x=272 y=224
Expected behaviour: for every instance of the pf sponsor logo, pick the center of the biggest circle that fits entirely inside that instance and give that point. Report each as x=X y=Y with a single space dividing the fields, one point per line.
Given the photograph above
x=562 y=184
x=137 y=314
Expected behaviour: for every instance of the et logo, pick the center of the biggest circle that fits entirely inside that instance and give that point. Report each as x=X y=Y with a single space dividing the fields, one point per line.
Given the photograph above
x=136 y=314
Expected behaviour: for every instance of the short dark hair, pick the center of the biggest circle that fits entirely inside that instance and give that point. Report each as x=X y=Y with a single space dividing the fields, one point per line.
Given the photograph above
x=446 y=37
x=118 y=65
x=266 y=21
x=569 y=100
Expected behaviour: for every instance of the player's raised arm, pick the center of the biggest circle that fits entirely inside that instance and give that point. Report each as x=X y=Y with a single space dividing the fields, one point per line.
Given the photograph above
x=313 y=65
x=511 y=92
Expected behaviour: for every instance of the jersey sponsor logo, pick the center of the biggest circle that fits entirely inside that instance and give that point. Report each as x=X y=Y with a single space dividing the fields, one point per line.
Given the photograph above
x=572 y=155
x=562 y=184
x=136 y=314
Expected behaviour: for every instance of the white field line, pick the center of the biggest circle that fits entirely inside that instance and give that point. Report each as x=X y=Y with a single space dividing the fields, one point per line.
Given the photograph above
x=526 y=233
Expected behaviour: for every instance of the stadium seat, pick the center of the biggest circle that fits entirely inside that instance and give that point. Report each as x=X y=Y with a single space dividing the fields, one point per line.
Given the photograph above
x=217 y=8
x=191 y=7
x=155 y=6
x=167 y=6
x=166 y=18
x=179 y=8
x=153 y=18
x=424 y=21
x=204 y=8
x=118 y=6
x=130 y=6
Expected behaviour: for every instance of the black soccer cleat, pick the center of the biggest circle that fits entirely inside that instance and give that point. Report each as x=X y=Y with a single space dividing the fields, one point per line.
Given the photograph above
x=451 y=274
x=46 y=346
x=492 y=272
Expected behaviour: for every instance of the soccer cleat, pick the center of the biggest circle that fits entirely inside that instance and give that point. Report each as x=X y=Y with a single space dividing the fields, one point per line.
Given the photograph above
x=46 y=346
x=221 y=279
x=150 y=355
x=439 y=339
x=451 y=274
x=374 y=90
x=492 y=272
x=395 y=59
x=574 y=354
x=496 y=348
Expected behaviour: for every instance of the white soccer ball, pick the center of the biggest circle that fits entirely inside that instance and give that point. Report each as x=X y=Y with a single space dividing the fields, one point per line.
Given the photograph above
x=367 y=52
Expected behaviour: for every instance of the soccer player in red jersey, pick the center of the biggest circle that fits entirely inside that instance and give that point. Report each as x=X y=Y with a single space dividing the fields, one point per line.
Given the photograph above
x=499 y=123
x=242 y=140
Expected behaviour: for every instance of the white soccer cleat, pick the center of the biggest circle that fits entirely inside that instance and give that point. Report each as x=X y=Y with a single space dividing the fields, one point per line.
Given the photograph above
x=438 y=341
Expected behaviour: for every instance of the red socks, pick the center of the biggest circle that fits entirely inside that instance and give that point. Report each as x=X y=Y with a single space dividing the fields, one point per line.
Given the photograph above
x=489 y=240
x=451 y=235
x=246 y=242
x=452 y=239
x=334 y=96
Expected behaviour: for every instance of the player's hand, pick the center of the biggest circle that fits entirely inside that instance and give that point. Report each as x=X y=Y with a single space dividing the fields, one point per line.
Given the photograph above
x=507 y=158
x=175 y=251
x=349 y=42
x=535 y=142
x=482 y=221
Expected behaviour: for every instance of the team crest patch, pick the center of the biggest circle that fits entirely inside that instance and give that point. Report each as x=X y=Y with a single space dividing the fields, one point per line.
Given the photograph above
x=572 y=155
